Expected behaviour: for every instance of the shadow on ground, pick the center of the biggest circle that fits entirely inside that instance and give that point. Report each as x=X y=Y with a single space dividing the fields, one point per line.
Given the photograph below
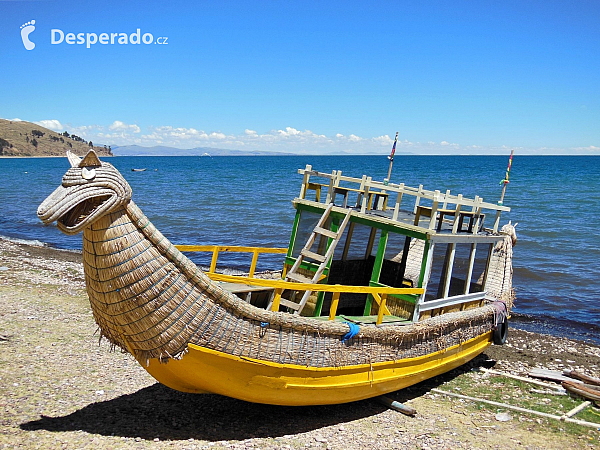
x=159 y=412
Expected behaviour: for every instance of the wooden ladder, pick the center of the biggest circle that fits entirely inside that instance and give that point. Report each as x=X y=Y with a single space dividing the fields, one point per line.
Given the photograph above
x=323 y=260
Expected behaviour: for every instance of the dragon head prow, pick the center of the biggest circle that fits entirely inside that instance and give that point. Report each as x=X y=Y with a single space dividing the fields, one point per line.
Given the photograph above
x=90 y=189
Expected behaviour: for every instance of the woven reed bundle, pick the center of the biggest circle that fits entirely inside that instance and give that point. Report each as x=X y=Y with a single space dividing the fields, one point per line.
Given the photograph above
x=500 y=272
x=151 y=300
x=413 y=260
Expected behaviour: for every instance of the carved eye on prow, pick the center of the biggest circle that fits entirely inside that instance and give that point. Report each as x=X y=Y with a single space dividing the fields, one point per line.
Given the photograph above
x=88 y=164
x=88 y=174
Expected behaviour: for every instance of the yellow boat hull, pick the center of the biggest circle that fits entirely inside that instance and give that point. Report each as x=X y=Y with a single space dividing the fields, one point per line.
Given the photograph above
x=203 y=370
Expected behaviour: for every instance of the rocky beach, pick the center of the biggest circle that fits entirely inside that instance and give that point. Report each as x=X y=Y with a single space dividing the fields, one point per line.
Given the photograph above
x=60 y=388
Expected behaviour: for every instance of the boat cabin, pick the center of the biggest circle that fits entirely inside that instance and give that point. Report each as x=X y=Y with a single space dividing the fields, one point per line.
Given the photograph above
x=382 y=253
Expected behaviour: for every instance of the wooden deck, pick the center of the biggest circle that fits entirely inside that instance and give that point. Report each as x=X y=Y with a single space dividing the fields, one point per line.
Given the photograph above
x=427 y=210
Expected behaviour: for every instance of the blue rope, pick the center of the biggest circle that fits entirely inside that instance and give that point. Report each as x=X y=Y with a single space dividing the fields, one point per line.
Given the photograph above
x=354 y=329
x=264 y=324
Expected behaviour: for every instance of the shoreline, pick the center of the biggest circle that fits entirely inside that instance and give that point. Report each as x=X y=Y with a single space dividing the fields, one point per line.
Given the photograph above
x=44 y=156
x=60 y=388
x=543 y=324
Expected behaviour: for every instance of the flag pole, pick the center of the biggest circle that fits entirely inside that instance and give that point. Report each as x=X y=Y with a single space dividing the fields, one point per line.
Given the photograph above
x=505 y=181
x=391 y=158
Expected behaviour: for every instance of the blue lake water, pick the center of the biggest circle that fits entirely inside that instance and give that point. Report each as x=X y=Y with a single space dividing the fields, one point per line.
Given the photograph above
x=247 y=201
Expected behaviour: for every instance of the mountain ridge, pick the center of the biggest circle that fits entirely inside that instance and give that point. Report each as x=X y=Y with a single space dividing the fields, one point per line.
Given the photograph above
x=21 y=138
x=161 y=150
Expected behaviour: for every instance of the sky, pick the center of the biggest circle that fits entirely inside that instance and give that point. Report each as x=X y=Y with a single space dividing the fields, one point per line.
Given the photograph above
x=459 y=77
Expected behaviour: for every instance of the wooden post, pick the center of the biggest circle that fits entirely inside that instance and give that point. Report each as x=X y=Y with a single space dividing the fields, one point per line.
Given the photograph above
x=457 y=214
x=434 y=209
x=276 y=299
x=381 y=309
x=398 y=202
x=446 y=199
x=365 y=199
x=391 y=157
x=335 y=226
x=335 y=300
x=377 y=267
x=253 y=264
x=331 y=191
x=213 y=262
x=424 y=277
x=348 y=241
x=418 y=200
x=397 y=406
x=305 y=179
x=448 y=268
x=361 y=191
x=496 y=221
x=470 y=269
x=290 y=251
x=477 y=217
x=506 y=181
x=370 y=243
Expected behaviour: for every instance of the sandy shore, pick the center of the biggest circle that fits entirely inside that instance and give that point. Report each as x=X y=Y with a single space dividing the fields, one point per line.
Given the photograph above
x=60 y=389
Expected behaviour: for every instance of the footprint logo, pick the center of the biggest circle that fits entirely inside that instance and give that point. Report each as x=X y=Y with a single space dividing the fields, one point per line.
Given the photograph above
x=26 y=30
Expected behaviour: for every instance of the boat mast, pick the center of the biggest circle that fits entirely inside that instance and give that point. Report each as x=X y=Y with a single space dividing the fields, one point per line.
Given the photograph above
x=391 y=158
x=505 y=181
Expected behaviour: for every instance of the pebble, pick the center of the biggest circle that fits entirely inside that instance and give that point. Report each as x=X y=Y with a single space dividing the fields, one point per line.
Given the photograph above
x=503 y=417
x=218 y=421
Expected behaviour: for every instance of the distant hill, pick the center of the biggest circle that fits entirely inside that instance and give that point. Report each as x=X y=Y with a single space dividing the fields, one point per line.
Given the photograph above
x=28 y=139
x=136 y=150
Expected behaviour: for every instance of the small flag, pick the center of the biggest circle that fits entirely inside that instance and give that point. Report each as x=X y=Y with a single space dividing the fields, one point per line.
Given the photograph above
x=391 y=157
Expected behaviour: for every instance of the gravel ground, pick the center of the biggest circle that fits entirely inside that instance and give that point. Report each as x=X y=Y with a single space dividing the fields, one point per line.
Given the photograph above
x=60 y=389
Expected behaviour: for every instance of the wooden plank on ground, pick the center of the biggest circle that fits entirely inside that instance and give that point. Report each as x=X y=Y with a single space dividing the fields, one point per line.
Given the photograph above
x=557 y=376
x=528 y=380
x=581 y=390
x=582 y=377
x=518 y=409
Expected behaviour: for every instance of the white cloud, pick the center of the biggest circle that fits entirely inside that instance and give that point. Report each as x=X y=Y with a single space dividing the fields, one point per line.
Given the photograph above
x=287 y=140
x=589 y=150
x=117 y=125
x=51 y=124
x=289 y=131
x=383 y=140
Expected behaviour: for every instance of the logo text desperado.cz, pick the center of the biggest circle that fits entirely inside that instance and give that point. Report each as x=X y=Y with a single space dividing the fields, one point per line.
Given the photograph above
x=58 y=36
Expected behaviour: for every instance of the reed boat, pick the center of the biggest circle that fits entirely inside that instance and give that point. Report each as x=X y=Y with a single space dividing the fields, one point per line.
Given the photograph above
x=382 y=286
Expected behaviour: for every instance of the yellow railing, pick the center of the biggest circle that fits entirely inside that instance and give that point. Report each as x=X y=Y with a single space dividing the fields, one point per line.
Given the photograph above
x=379 y=293
x=216 y=249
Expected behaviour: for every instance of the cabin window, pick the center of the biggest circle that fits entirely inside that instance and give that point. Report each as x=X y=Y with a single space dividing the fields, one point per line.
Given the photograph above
x=351 y=264
x=441 y=284
x=308 y=221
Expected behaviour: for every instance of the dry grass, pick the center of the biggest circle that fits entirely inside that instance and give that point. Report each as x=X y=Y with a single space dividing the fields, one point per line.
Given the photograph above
x=17 y=133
